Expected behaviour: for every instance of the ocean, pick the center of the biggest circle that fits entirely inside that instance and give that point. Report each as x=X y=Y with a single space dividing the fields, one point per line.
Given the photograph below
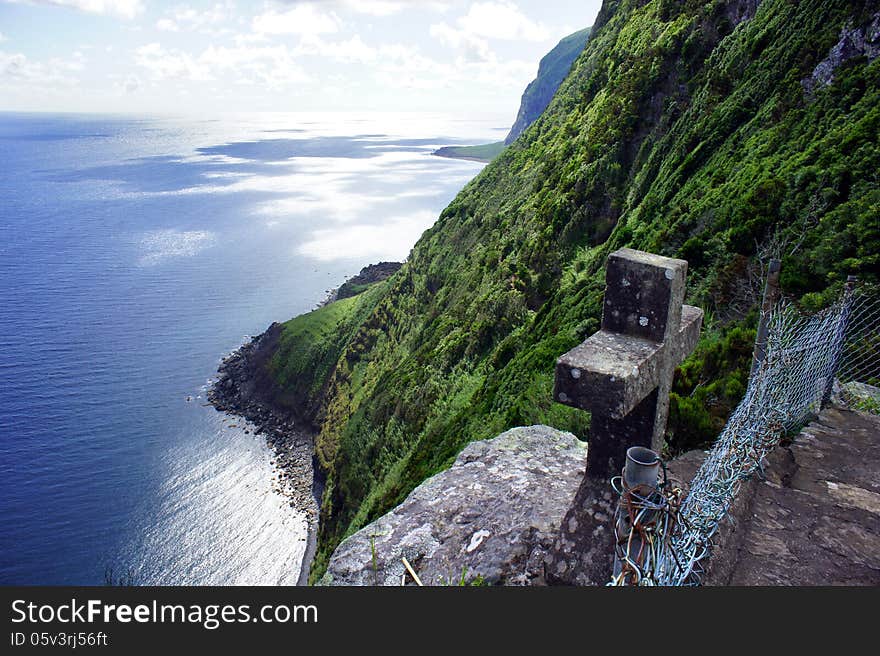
x=136 y=252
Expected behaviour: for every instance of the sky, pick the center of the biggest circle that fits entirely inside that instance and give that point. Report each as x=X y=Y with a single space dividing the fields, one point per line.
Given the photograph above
x=451 y=56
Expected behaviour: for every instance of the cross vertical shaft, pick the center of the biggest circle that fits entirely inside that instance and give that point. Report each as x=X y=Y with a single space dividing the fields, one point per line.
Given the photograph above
x=623 y=373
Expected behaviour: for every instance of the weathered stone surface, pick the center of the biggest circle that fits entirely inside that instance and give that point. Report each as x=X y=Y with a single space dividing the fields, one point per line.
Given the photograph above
x=856 y=395
x=643 y=294
x=815 y=517
x=610 y=373
x=493 y=514
x=583 y=552
x=854 y=42
x=623 y=373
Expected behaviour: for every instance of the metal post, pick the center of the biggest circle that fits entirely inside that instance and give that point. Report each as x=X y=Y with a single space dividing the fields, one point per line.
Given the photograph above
x=640 y=481
x=642 y=467
x=771 y=295
x=839 y=336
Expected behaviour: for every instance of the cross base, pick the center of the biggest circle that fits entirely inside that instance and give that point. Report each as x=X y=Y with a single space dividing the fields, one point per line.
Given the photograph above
x=605 y=455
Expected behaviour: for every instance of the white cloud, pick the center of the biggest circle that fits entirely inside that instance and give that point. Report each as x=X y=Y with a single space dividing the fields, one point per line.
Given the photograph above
x=512 y=74
x=272 y=66
x=14 y=65
x=187 y=19
x=19 y=69
x=502 y=20
x=473 y=47
x=368 y=54
x=394 y=65
x=423 y=73
x=130 y=84
x=488 y=20
x=403 y=66
x=167 y=25
x=2 y=38
x=383 y=8
x=352 y=50
x=163 y=64
x=121 y=8
x=375 y=7
x=250 y=37
x=301 y=19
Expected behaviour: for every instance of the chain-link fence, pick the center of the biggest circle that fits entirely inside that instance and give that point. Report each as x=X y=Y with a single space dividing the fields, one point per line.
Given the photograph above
x=857 y=383
x=833 y=354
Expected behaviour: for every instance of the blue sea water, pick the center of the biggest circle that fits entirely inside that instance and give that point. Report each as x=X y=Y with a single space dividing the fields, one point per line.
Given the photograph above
x=135 y=253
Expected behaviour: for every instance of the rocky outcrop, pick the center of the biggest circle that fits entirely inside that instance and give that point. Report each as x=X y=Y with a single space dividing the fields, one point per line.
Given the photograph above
x=858 y=396
x=854 y=42
x=740 y=11
x=490 y=517
x=498 y=514
x=369 y=274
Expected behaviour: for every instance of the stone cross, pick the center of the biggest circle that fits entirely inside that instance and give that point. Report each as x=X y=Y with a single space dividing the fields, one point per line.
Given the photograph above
x=623 y=373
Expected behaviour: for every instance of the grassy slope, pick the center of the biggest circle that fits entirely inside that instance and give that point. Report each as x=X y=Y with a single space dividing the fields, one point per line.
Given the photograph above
x=675 y=133
x=481 y=153
x=310 y=345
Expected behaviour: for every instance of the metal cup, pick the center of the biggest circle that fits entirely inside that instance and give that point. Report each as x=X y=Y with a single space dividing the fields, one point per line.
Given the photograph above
x=642 y=467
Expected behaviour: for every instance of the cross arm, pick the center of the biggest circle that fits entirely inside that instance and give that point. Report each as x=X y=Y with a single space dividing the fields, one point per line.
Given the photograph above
x=610 y=373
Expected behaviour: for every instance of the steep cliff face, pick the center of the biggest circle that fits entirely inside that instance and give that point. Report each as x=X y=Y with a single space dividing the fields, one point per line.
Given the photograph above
x=553 y=68
x=684 y=128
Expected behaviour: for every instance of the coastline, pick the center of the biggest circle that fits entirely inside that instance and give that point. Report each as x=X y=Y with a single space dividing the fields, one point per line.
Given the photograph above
x=483 y=153
x=244 y=388
x=437 y=153
x=450 y=155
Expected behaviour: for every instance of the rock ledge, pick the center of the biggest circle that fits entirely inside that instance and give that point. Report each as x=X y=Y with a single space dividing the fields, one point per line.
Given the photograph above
x=492 y=516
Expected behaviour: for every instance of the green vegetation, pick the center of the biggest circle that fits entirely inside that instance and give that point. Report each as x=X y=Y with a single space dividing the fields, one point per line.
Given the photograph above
x=464 y=580
x=677 y=132
x=309 y=347
x=553 y=68
x=482 y=153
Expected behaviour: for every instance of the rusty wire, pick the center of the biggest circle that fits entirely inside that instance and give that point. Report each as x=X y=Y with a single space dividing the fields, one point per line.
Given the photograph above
x=644 y=520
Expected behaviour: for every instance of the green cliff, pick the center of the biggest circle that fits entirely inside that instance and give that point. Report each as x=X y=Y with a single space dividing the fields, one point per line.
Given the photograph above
x=720 y=132
x=553 y=68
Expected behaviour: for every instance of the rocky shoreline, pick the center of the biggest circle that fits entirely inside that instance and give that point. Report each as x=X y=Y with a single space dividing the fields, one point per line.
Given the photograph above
x=243 y=388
